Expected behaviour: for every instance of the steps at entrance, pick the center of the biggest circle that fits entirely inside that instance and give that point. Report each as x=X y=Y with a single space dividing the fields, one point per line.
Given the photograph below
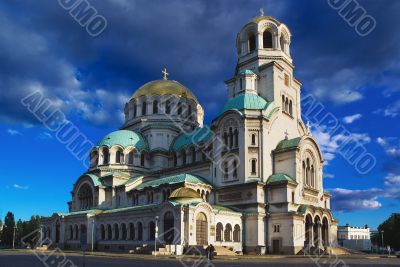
x=225 y=251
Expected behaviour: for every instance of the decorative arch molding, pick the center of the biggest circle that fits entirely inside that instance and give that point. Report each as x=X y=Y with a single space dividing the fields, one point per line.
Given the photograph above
x=314 y=144
x=268 y=26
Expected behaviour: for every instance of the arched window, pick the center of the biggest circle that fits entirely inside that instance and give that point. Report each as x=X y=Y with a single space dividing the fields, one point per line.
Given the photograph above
x=167 y=107
x=103 y=232
x=124 y=232
x=130 y=158
x=71 y=232
x=226 y=139
x=308 y=172
x=287 y=105
x=304 y=173
x=226 y=171
x=312 y=176
x=179 y=108
x=106 y=156
x=267 y=39
x=144 y=108
x=155 y=107
x=253 y=139
x=235 y=169
x=230 y=138
x=219 y=232
x=131 y=231
x=109 y=232
x=193 y=154
x=253 y=166
x=236 y=135
x=116 y=232
x=142 y=159
x=85 y=197
x=290 y=108
x=228 y=233
x=183 y=155
x=152 y=230
x=252 y=42
x=140 y=231
x=76 y=231
x=94 y=156
x=236 y=233
x=118 y=156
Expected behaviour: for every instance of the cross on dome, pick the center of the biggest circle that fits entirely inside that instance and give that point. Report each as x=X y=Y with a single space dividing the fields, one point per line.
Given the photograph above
x=261 y=12
x=165 y=74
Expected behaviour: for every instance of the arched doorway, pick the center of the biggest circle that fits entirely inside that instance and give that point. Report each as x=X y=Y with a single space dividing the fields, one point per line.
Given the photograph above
x=308 y=231
x=325 y=232
x=169 y=234
x=201 y=229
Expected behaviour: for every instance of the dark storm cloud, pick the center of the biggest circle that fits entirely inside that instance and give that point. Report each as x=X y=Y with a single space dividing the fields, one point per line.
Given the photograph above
x=43 y=47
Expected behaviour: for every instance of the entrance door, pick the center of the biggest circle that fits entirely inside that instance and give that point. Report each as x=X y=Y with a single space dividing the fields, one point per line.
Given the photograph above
x=275 y=246
x=201 y=229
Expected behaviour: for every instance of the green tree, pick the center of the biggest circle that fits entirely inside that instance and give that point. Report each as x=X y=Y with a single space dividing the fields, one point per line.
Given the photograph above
x=391 y=232
x=8 y=229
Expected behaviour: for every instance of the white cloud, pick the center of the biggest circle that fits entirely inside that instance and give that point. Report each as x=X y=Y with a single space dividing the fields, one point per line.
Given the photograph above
x=349 y=200
x=45 y=136
x=21 y=187
x=13 y=132
x=329 y=175
x=388 y=145
x=352 y=118
x=392 y=184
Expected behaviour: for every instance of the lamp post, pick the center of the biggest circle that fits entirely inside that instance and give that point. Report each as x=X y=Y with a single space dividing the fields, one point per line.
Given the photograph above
x=15 y=227
x=155 y=237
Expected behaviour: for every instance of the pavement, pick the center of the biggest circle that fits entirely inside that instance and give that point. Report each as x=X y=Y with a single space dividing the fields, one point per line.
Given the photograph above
x=28 y=258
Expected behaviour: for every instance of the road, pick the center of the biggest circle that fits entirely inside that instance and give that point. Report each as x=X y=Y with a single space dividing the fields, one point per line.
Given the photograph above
x=18 y=259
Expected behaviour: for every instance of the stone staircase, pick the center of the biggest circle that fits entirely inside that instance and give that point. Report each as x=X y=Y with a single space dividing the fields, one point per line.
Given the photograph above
x=144 y=249
x=225 y=251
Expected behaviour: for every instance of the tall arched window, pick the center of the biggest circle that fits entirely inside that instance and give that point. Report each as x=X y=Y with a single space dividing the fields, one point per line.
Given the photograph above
x=142 y=159
x=253 y=166
x=179 y=108
x=155 y=107
x=226 y=171
x=85 y=197
x=267 y=39
x=287 y=105
x=235 y=169
x=283 y=103
x=308 y=167
x=226 y=139
x=130 y=158
x=124 y=232
x=116 y=232
x=71 y=232
x=253 y=139
x=236 y=135
x=167 y=107
x=312 y=176
x=131 y=231
x=134 y=110
x=119 y=156
x=230 y=138
x=236 y=233
x=290 y=108
x=140 y=231
x=144 y=108
x=252 y=42
x=103 y=232
x=109 y=232
x=219 y=232
x=228 y=233
x=106 y=156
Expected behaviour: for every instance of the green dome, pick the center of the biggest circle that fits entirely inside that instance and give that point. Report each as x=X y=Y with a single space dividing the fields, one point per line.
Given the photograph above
x=246 y=101
x=124 y=138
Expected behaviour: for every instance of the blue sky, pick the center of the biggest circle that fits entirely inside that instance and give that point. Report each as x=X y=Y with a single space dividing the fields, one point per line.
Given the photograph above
x=89 y=78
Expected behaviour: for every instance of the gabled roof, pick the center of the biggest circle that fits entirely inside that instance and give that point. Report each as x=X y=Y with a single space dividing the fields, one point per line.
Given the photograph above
x=246 y=101
x=280 y=178
x=196 y=137
x=287 y=144
x=174 y=179
x=124 y=138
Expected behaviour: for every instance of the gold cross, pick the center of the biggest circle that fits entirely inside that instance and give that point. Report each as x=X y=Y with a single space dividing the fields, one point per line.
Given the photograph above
x=261 y=12
x=165 y=74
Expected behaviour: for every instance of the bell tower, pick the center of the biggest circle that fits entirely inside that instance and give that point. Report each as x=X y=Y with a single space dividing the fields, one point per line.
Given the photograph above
x=265 y=63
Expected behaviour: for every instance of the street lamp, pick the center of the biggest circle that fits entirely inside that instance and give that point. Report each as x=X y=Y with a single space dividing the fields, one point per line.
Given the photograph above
x=15 y=227
x=155 y=237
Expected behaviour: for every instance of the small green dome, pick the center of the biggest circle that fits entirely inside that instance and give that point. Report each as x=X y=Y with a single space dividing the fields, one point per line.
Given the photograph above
x=124 y=138
x=246 y=101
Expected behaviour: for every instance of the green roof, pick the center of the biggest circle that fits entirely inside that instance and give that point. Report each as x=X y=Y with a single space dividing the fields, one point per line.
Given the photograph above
x=246 y=101
x=79 y=212
x=124 y=138
x=280 y=178
x=246 y=72
x=288 y=144
x=149 y=206
x=121 y=174
x=95 y=179
x=194 y=138
x=175 y=179
x=302 y=209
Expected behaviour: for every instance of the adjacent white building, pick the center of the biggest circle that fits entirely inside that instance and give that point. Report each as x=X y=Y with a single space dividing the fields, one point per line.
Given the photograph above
x=250 y=181
x=358 y=238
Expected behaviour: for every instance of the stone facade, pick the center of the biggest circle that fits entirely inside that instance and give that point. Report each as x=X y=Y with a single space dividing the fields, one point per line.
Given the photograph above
x=251 y=181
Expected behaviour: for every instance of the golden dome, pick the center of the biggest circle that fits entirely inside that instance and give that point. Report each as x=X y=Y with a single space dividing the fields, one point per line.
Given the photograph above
x=164 y=87
x=184 y=192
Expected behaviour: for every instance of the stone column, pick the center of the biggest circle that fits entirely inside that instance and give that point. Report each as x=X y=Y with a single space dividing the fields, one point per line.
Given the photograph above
x=311 y=230
x=319 y=234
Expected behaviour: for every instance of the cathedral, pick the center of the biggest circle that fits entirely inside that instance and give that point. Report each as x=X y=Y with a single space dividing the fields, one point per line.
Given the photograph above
x=249 y=182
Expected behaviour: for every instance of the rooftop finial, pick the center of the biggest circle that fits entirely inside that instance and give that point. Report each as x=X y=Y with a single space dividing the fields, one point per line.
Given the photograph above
x=308 y=127
x=165 y=74
x=261 y=12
